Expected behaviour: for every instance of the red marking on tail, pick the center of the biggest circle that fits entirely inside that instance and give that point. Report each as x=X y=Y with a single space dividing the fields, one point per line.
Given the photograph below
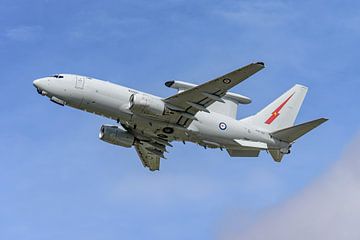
x=276 y=112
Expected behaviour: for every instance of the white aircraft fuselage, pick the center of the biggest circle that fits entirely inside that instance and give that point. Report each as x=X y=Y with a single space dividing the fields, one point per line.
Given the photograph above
x=112 y=101
x=150 y=122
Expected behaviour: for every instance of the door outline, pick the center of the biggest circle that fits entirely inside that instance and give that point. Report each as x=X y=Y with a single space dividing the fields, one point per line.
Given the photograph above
x=80 y=82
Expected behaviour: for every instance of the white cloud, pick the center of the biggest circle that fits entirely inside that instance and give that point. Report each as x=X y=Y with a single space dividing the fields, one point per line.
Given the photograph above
x=328 y=209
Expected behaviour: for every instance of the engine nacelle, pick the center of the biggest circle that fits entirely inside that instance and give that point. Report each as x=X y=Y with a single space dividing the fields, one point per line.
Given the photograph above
x=117 y=136
x=145 y=104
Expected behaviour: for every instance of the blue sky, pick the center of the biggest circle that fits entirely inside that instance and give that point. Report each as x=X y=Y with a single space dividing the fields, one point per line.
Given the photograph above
x=59 y=181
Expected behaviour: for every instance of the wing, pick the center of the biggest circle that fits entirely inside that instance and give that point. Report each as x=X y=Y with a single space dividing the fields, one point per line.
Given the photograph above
x=189 y=102
x=150 y=153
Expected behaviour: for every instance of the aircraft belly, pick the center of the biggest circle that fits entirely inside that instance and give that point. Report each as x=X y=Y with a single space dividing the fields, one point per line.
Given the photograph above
x=150 y=127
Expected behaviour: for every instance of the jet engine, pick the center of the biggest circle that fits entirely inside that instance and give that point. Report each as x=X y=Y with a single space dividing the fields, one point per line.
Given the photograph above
x=145 y=104
x=116 y=135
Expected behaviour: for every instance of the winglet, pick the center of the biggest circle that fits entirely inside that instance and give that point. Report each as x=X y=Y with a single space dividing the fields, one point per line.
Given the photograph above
x=169 y=83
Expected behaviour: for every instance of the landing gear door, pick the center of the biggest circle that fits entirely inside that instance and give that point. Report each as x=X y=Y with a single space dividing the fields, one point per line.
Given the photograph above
x=80 y=81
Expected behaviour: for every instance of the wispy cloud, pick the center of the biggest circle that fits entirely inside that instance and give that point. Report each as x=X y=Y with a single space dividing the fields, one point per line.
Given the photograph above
x=328 y=209
x=100 y=26
x=24 y=33
x=257 y=13
x=165 y=189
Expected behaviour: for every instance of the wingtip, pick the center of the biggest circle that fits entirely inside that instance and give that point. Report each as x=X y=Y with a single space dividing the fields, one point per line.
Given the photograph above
x=169 y=83
x=321 y=120
x=261 y=63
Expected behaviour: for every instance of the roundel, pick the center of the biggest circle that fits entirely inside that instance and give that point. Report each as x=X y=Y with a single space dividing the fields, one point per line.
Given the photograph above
x=226 y=80
x=222 y=126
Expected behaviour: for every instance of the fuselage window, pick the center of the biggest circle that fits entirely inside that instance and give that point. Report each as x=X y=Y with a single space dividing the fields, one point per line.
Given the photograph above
x=58 y=76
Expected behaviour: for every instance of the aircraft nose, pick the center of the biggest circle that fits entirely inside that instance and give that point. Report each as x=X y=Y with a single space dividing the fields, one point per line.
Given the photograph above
x=39 y=84
x=36 y=83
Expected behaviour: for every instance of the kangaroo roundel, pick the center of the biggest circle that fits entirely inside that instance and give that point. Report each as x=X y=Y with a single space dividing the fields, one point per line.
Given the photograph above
x=222 y=126
x=226 y=80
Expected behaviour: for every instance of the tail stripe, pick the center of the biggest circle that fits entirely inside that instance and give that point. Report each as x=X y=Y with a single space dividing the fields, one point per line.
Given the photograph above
x=282 y=112
x=276 y=113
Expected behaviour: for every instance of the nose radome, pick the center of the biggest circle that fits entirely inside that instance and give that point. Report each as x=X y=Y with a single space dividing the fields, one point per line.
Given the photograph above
x=36 y=83
x=40 y=83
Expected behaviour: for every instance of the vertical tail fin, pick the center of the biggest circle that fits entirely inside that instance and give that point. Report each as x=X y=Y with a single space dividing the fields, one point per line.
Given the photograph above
x=282 y=112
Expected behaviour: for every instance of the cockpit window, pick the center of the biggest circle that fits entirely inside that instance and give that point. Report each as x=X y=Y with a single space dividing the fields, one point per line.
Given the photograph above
x=58 y=76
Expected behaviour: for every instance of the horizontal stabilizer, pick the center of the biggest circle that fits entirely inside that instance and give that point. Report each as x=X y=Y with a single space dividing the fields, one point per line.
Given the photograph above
x=292 y=133
x=243 y=153
x=277 y=155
